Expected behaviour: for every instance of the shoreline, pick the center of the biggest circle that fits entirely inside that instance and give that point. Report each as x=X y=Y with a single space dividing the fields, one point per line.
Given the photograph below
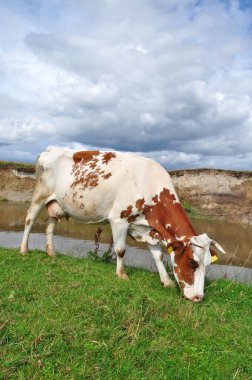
x=134 y=258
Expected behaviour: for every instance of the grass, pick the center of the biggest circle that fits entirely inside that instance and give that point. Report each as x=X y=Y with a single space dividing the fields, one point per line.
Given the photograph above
x=17 y=165
x=234 y=173
x=192 y=212
x=68 y=318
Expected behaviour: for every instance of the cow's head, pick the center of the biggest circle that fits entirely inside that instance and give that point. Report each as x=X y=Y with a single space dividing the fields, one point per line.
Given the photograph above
x=189 y=261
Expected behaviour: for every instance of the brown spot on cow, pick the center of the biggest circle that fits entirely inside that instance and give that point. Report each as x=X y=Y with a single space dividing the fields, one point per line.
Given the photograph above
x=106 y=176
x=87 y=169
x=132 y=218
x=129 y=215
x=155 y=199
x=140 y=204
x=108 y=157
x=27 y=222
x=93 y=164
x=85 y=156
x=126 y=213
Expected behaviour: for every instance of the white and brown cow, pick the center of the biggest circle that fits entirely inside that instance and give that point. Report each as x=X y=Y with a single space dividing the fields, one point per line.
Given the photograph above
x=135 y=195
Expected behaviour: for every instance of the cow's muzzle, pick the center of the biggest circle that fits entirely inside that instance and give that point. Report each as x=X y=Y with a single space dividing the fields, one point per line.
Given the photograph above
x=198 y=298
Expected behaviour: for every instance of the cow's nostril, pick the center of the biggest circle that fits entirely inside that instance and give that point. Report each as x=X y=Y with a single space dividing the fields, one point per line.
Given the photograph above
x=198 y=298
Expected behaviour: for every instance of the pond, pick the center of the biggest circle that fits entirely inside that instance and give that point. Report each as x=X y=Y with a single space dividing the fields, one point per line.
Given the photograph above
x=236 y=239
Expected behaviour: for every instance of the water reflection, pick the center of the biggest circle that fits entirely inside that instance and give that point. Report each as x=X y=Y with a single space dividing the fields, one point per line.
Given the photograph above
x=236 y=239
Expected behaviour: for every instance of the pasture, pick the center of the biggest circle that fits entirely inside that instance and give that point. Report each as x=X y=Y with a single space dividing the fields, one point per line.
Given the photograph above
x=72 y=318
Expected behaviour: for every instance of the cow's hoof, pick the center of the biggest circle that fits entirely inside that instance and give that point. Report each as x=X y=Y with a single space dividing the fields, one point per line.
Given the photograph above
x=23 y=252
x=122 y=276
x=169 y=284
x=50 y=252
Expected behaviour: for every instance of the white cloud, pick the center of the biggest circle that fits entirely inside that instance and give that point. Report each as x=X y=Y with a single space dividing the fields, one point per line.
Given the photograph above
x=23 y=131
x=169 y=79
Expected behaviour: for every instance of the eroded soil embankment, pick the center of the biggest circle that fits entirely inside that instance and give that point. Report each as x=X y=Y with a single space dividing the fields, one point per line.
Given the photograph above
x=16 y=184
x=219 y=194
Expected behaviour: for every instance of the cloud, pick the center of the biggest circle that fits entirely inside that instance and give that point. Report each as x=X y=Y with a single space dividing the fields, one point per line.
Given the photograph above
x=22 y=131
x=168 y=79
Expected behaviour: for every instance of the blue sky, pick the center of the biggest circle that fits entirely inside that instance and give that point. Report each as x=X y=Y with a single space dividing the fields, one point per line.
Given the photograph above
x=169 y=79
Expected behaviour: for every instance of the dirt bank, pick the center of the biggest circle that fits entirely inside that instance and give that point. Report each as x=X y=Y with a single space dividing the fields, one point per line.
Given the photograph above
x=16 y=184
x=219 y=194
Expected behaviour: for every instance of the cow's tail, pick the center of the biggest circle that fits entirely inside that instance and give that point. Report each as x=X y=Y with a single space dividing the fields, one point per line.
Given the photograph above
x=38 y=170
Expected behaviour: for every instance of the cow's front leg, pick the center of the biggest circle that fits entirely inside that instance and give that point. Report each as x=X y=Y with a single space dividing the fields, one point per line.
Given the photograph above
x=158 y=255
x=119 y=232
x=49 y=236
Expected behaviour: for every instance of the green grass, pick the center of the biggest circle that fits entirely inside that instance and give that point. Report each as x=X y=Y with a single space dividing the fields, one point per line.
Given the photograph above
x=17 y=165
x=68 y=318
x=190 y=210
x=234 y=173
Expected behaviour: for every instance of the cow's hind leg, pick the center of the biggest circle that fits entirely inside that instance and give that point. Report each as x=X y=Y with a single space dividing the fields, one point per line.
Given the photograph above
x=31 y=216
x=158 y=255
x=49 y=236
x=119 y=232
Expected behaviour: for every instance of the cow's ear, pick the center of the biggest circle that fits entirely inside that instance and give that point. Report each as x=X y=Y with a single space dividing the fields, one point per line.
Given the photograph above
x=178 y=248
x=173 y=245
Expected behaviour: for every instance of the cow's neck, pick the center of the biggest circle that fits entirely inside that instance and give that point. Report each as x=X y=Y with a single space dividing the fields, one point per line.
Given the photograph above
x=168 y=218
x=179 y=225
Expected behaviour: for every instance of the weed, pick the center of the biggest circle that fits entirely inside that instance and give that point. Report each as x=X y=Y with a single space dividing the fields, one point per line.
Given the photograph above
x=107 y=256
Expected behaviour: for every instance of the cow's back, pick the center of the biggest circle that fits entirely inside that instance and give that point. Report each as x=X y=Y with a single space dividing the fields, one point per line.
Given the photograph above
x=91 y=185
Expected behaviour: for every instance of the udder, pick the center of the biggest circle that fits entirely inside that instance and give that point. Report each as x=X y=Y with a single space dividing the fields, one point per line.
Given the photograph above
x=55 y=211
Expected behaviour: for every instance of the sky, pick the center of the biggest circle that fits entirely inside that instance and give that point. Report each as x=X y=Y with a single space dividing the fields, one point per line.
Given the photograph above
x=168 y=79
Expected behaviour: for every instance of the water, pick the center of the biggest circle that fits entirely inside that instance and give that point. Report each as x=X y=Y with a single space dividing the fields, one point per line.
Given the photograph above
x=235 y=239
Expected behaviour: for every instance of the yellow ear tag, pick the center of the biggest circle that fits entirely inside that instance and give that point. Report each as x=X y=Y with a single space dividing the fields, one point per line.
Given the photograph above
x=214 y=258
x=170 y=249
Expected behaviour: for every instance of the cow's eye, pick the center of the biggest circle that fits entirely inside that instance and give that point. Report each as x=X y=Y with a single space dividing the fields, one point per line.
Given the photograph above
x=193 y=264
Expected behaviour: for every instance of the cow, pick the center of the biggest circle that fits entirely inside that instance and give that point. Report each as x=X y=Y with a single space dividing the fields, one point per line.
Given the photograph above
x=135 y=195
